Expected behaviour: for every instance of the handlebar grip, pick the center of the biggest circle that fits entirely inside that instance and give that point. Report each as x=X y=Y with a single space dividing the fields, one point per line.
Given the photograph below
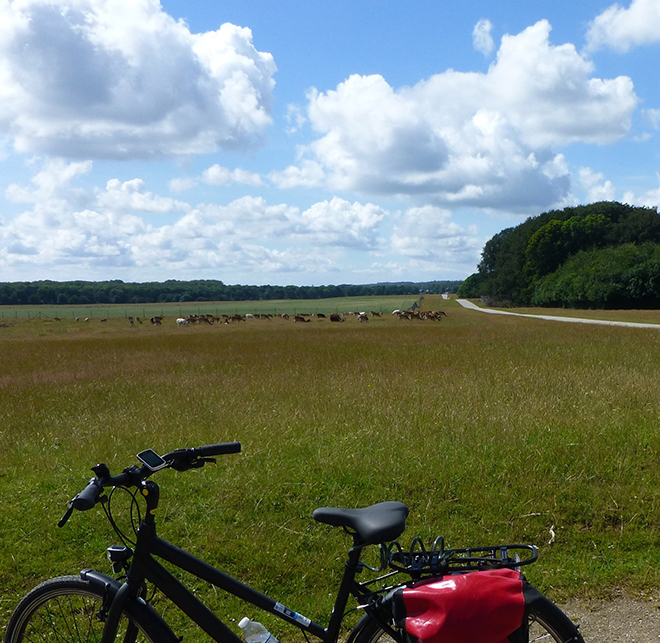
x=89 y=496
x=219 y=449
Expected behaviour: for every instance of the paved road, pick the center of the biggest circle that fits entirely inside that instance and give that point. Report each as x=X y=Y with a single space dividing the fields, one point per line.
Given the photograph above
x=576 y=320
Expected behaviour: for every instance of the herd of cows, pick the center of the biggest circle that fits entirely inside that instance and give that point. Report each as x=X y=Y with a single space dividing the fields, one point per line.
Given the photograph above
x=363 y=317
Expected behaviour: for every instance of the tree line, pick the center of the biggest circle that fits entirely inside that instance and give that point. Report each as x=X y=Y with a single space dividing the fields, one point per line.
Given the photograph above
x=603 y=255
x=79 y=293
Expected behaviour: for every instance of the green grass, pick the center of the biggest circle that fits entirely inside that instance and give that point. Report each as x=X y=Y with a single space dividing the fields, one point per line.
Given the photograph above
x=490 y=428
x=289 y=306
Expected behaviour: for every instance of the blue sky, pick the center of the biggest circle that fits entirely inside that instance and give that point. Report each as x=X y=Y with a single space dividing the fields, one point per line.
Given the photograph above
x=311 y=142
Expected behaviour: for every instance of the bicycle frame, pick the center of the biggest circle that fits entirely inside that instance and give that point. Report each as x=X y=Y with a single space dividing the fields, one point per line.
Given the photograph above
x=145 y=567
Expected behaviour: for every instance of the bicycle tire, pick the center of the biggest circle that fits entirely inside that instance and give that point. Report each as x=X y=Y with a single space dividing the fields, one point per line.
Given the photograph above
x=65 y=608
x=545 y=620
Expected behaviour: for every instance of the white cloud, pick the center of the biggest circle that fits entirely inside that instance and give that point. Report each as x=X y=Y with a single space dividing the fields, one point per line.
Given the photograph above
x=597 y=190
x=96 y=232
x=481 y=37
x=466 y=138
x=652 y=116
x=182 y=184
x=52 y=179
x=309 y=174
x=428 y=233
x=340 y=223
x=122 y=79
x=217 y=175
x=295 y=118
x=650 y=199
x=620 y=29
x=131 y=196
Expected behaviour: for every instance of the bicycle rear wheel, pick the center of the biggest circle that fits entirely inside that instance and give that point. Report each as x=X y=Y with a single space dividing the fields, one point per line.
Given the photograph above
x=546 y=623
x=66 y=609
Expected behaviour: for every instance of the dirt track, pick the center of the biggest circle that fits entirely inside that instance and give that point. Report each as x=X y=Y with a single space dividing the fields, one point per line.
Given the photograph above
x=574 y=320
x=622 y=619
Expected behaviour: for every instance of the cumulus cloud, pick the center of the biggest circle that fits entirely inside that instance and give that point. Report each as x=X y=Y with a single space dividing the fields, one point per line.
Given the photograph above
x=217 y=175
x=481 y=37
x=650 y=199
x=479 y=139
x=620 y=29
x=428 y=233
x=122 y=79
x=338 y=222
x=597 y=189
x=97 y=232
x=132 y=196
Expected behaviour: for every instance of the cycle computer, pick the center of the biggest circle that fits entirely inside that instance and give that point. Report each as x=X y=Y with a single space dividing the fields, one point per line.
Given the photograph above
x=151 y=460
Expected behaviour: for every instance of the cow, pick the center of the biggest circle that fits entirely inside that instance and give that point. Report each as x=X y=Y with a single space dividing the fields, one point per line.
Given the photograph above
x=181 y=322
x=336 y=317
x=301 y=318
x=363 y=317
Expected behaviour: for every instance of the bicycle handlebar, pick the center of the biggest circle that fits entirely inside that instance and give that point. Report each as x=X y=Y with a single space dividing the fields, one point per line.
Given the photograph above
x=89 y=496
x=133 y=476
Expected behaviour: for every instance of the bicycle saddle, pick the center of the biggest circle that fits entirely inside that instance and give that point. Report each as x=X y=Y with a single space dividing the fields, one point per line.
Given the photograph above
x=379 y=523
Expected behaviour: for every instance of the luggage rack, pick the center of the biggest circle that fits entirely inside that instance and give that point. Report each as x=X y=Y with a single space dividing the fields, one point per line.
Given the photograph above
x=419 y=561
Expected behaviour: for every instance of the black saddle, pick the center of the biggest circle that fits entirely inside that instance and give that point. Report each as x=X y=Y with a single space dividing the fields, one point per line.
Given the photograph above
x=379 y=523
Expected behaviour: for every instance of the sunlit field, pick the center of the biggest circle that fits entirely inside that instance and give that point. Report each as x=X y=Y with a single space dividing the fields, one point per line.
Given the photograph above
x=270 y=306
x=491 y=428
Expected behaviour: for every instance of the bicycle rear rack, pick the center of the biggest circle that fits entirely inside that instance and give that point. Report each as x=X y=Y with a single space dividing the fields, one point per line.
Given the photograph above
x=418 y=561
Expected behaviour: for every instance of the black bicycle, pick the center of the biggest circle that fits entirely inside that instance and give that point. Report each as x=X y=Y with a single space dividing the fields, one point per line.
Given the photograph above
x=96 y=607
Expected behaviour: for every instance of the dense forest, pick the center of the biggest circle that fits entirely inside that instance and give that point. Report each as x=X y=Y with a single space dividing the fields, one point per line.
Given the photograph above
x=117 y=292
x=603 y=255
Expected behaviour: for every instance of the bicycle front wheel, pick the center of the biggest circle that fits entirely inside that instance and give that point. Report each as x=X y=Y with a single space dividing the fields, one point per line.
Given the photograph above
x=66 y=609
x=545 y=623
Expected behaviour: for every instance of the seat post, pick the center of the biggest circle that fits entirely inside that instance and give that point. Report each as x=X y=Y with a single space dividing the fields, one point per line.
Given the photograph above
x=350 y=569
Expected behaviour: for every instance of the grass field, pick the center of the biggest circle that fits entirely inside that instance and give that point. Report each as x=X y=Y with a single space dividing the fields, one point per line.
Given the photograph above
x=272 y=306
x=490 y=428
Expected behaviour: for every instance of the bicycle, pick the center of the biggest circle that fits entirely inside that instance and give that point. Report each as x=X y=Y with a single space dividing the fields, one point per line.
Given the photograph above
x=96 y=607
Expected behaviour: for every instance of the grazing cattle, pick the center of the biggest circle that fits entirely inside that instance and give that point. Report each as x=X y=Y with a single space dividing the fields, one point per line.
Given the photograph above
x=375 y=314
x=86 y=319
x=156 y=321
x=138 y=320
x=181 y=322
x=301 y=318
x=397 y=312
x=56 y=319
x=130 y=321
x=77 y=318
x=363 y=317
x=336 y=317
x=237 y=317
x=320 y=316
x=104 y=319
x=284 y=316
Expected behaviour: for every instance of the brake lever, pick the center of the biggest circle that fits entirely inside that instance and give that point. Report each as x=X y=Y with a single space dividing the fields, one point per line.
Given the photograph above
x=200 y=462
x=193 y=463
x=66 y=516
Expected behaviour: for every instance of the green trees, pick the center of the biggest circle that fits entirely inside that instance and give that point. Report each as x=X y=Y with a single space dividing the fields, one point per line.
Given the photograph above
x=601 y=255
x=117 y=292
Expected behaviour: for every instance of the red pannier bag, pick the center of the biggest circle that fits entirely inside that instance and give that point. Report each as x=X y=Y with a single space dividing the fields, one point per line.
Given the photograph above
x=477 y=607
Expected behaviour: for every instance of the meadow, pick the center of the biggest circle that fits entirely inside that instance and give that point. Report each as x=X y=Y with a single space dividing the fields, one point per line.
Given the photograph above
x=183 y=309
x=490 y=428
